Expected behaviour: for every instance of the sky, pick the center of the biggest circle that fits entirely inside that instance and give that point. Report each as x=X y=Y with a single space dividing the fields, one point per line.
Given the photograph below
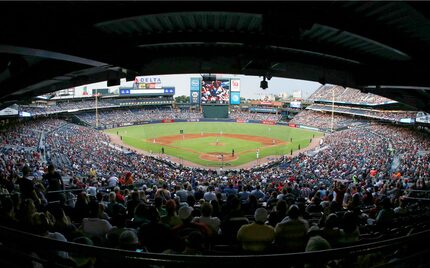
x=250 y=85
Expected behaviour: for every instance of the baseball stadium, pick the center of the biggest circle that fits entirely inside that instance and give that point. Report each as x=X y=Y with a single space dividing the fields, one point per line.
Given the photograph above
x=164 y=134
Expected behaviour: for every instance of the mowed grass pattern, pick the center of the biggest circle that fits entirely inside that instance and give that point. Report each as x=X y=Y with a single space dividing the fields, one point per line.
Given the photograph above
x=138 y=136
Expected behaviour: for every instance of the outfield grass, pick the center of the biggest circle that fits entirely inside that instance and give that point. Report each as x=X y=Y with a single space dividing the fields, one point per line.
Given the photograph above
x=138 y=136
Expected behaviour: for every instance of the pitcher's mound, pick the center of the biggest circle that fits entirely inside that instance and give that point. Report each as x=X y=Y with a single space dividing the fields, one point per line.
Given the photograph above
x=217 y=157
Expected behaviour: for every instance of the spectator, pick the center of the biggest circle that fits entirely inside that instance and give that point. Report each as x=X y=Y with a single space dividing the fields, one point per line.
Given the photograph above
x=154 y=235
x=257 y=236
x=291 y=231
x=94 y=227
x=258 y=193
x=210 y=194
x=55 y=183
x=27 y=188
x=279 y=213
x=171 y=219
x=128 y=240
x=206 y=218
x=41 y=224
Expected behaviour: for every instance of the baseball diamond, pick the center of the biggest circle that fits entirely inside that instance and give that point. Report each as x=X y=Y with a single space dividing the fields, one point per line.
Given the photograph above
x=211 y=144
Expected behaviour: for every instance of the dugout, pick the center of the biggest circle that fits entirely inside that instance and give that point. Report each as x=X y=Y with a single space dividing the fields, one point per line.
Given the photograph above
x=215 y=111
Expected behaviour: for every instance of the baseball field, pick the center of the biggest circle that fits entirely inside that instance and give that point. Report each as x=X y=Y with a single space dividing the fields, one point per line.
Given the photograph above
x=213 y=144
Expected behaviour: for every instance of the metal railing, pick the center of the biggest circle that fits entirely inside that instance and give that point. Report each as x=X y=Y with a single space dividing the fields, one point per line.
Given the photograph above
x=14 y=243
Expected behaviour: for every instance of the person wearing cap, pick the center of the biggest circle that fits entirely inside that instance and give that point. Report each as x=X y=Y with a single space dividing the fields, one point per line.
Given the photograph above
x=256 y=236
x=128 y=240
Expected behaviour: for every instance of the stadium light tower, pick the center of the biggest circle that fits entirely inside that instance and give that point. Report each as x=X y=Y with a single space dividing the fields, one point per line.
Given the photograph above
x=332 y=109
x=97 y=110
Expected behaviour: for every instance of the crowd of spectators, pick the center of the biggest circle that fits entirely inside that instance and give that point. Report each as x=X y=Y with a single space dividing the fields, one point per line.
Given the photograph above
x=359 y=179
x=379 y=114
x=64 y=106
x=118 y=117
x=20 y=144
x=322 y=120
x=246 y=115
x=39 y=109
x=347 y=95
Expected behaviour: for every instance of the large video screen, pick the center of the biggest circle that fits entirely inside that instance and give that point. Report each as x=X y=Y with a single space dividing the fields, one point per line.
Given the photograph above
x=217 y=92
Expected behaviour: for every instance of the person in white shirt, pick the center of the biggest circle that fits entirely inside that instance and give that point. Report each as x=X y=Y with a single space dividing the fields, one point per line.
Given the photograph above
x=112 y=181
x=210 y=194
x=206 y=218
x=93 y=226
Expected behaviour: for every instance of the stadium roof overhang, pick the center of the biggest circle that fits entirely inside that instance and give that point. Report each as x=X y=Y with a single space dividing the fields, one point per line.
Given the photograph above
x=374 y=46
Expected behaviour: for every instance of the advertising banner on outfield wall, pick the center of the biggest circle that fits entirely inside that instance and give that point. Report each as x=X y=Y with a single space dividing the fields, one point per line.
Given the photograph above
x=268 y=122
x=195 y=85
x=241 y=121
x=168 y=121
x=292 y=125
x=263 y=110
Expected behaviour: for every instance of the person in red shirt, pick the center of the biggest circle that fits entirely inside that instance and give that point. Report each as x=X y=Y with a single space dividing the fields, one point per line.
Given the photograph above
x=119 y=197
x=128 y=179
x=121 y=180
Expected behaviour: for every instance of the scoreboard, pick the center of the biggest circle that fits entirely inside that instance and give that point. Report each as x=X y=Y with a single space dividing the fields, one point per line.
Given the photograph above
x=168 y=91
x=147 y=86
x=215 y=91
